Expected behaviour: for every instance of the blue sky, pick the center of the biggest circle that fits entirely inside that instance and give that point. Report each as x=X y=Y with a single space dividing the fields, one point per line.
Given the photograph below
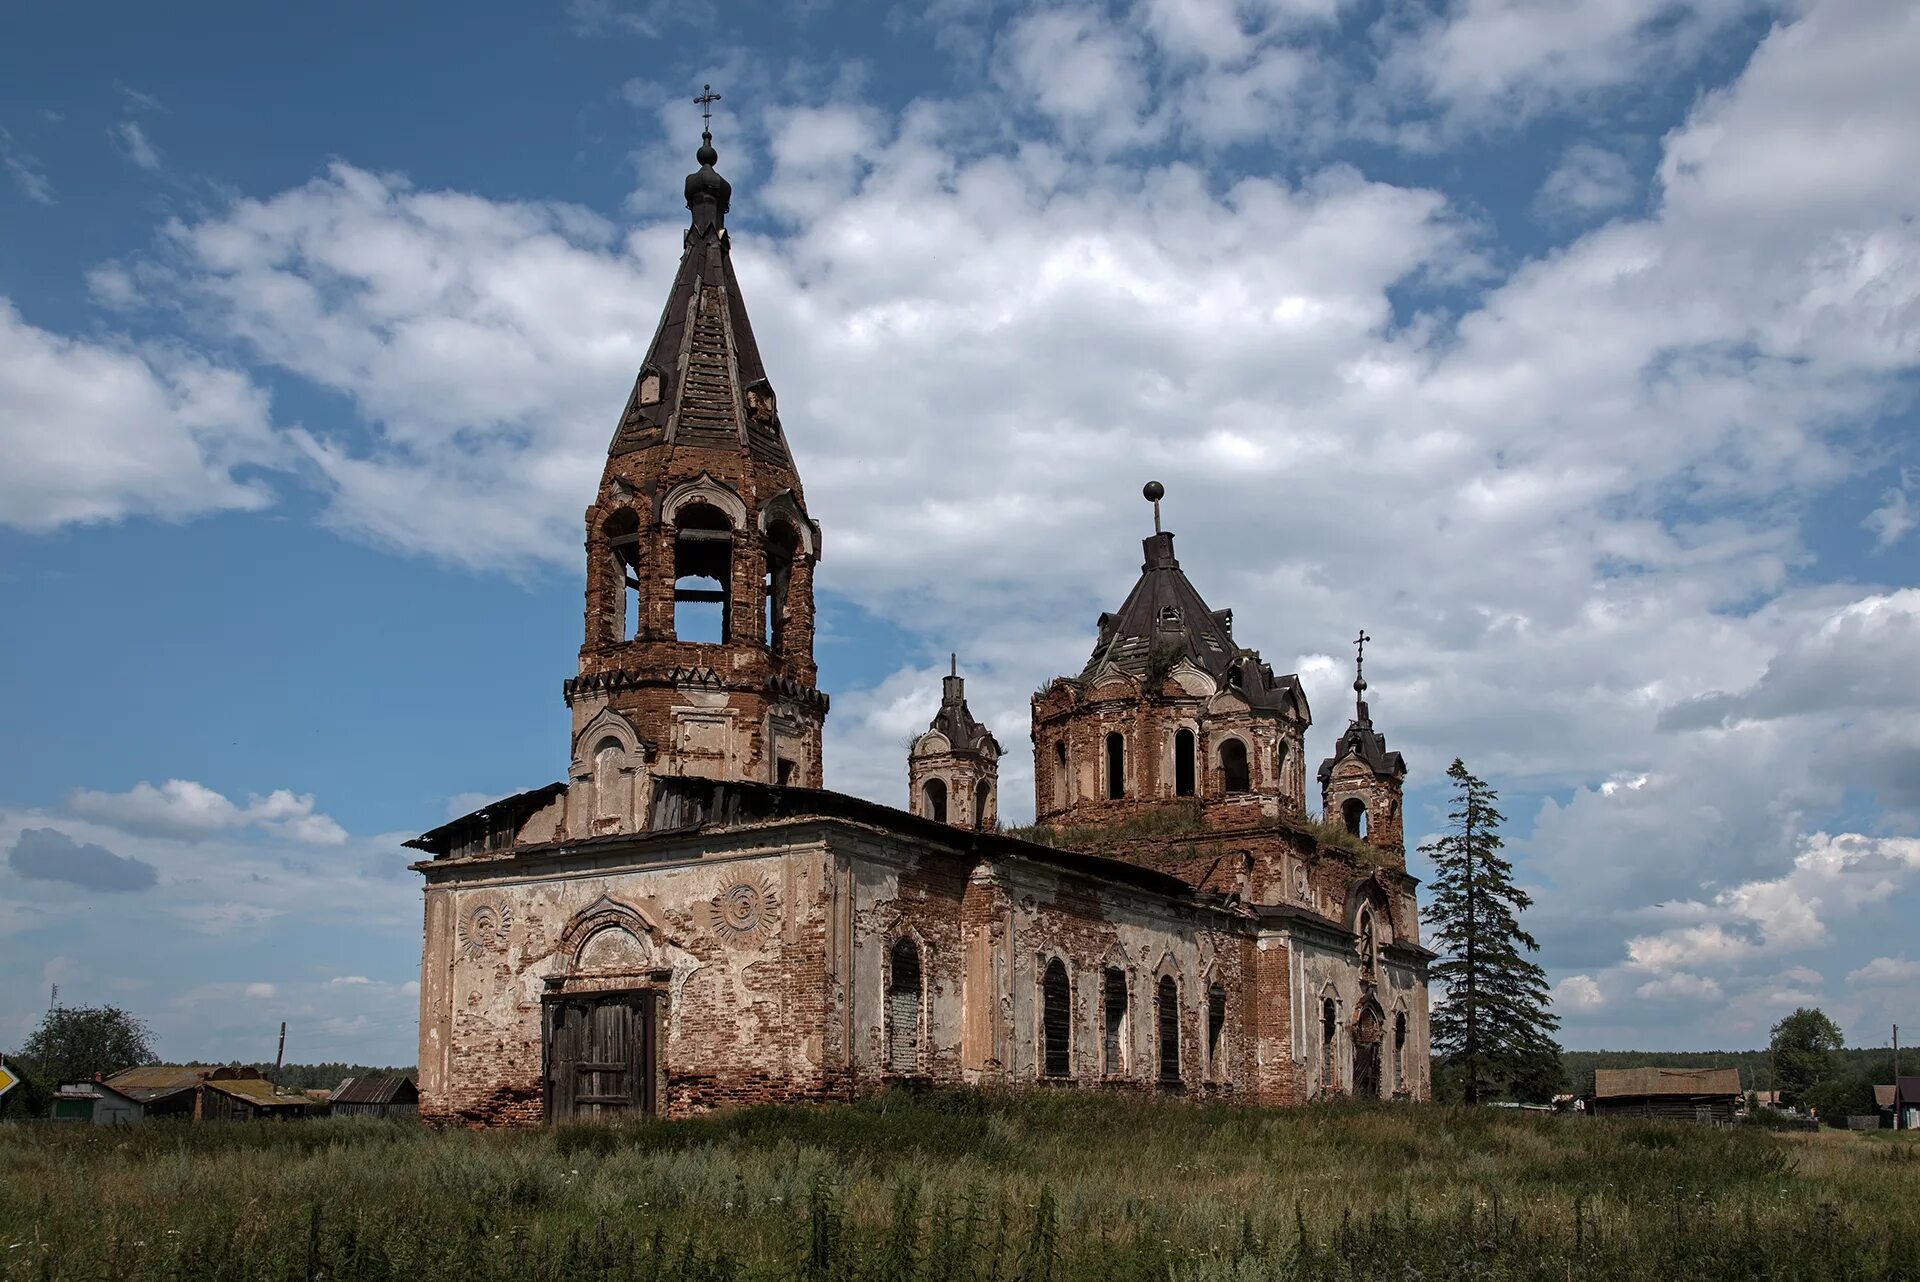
x=1569 y=348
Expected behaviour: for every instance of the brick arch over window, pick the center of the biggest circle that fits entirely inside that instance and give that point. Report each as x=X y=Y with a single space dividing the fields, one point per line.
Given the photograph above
x=604 y=914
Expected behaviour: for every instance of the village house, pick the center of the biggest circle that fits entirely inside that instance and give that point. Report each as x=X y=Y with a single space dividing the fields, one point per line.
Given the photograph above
x=690 y=919
x=1678 y=1094
x=193 y=1092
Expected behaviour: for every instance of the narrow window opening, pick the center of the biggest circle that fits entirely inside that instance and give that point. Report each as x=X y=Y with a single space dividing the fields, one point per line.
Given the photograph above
x=1116 y=767
x=935 y=792
x=622 y=532
x=1233 y=765
x=702 y=574
x=1056 y=1020
x=1183 y=763
x=1216 y=1028
x=1400 y=1050
x=1167 y=1017
x=1114 y=1027
x=1329 y=1032
x=1060 y=780
x=982 y=792
x=783 y=771
x=783 y=547
x=1353 y=813
x=903 y=1007
x=1369 y=946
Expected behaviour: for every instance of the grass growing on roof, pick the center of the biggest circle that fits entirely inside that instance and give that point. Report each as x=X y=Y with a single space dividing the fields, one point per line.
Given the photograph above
x=959 y=1185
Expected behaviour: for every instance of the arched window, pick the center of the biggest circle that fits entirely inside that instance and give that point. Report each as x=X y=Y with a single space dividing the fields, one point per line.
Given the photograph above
x=622 y=532
x=1353 y=813
x=1056 y=1020
x=982 y=793
x=903 y=1006
x=607 y=801
x=935 y=791
x=1116 y=766
x=1280 y=766
x=1400 y=1050
x=783 y=545
x=702 y=573
x=1329 y=1037
x=1183 y=763
x=1233 y=765
x=1060 y=779
x=1113 y=1045
x=1216 y=1030
x=1369 y=946
x=1166 y=1002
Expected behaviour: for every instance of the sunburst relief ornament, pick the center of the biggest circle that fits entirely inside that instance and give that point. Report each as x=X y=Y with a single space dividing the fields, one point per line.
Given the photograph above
x=744 y=909
x=484 y=929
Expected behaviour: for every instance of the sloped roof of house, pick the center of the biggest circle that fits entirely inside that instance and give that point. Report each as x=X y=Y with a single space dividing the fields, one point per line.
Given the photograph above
x=147 y=1082
x=1883 y=1096
x=1614 y=1083
x=376 y=1088
x=259 y=1092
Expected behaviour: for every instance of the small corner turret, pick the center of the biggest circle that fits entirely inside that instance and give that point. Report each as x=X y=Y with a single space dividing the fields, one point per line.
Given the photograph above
x=953 y=769
x=1360 y=784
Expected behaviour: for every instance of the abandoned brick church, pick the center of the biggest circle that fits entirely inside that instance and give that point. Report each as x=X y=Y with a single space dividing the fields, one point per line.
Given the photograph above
x=692 y=920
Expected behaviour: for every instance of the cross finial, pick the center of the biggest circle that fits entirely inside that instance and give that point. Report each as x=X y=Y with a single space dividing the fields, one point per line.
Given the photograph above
x=705 y=102
x=1360 y=660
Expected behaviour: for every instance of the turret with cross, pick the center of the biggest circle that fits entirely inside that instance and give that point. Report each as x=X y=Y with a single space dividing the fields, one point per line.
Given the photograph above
x=1360 y=784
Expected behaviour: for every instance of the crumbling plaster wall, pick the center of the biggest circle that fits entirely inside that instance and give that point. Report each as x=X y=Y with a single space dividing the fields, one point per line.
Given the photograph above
x=741 y=930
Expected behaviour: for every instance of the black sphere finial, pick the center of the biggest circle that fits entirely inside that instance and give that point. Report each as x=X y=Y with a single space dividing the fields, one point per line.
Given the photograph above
x=1153 y=491
x=707 y=156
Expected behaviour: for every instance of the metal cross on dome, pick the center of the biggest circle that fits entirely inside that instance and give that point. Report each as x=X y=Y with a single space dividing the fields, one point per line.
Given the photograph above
x=1360 y=656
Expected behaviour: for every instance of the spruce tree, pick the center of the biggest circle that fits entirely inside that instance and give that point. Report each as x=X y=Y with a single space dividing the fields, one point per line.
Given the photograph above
x=1496 y=1027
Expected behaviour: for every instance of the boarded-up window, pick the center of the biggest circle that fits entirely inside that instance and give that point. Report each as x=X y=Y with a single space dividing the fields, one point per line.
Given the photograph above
x=1113 y=1043
x=1056 y=1020
x=903 y=1007
x=1183 y=763
x=1116 y=767
x=1167 y=1017
x=1233 y=765
x=1216 y=1028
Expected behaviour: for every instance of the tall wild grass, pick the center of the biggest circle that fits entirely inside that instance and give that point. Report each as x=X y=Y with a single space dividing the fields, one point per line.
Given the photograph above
x=953 y=1186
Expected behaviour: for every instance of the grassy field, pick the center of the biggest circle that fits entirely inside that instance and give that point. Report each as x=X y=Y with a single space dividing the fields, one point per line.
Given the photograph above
x=959 y=1186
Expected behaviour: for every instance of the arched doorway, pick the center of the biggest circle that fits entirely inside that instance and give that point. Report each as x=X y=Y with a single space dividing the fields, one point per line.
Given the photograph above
x=1367 y=1035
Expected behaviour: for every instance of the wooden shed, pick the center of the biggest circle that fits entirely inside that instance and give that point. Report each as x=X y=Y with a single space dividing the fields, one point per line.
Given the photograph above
x=377 y=1095
x=201 y=1092
x=95 y=1102
x=1677 y=1094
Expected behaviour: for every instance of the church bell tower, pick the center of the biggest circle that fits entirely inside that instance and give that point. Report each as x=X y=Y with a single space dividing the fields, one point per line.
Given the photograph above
x=698 y=652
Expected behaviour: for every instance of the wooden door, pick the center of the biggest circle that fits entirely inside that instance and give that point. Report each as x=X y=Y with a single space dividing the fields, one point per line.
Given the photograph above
x=600 y=1056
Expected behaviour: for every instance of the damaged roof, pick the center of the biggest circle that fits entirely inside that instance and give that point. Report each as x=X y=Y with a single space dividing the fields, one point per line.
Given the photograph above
x=506 y=813
x=955 y=720
x=1164 y=620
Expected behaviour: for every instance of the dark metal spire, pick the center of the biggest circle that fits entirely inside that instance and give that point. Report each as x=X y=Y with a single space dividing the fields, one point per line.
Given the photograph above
x=1360 y=675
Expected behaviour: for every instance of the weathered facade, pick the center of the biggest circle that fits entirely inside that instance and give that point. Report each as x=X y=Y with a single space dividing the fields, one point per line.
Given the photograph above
x=689 y=920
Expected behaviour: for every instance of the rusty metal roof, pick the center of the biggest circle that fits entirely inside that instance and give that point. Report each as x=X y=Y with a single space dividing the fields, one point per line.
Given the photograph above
x=259 y=1092
x=1614 y=1083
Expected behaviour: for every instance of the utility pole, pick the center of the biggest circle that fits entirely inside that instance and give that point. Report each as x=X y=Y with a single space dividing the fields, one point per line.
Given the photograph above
x=280 y=1054
x=1896 y=1077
